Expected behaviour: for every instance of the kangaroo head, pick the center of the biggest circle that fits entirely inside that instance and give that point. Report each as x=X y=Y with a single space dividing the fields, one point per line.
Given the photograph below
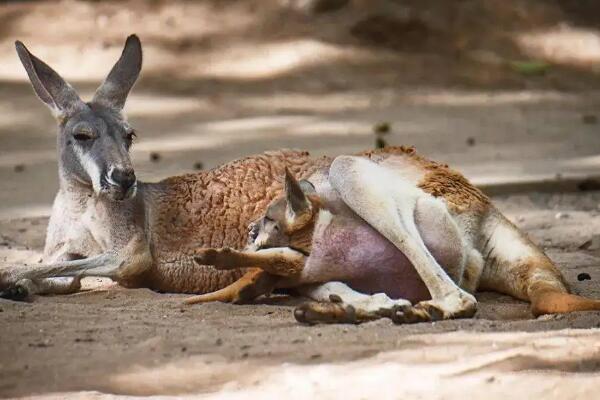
x=289 y=219
x=94 y=137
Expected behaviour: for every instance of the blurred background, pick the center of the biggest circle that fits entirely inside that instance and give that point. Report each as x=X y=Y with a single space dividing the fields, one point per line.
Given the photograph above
x=506 y=91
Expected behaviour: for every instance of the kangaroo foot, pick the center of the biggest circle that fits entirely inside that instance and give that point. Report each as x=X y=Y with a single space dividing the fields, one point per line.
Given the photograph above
x=20 y=291
x=460 y=305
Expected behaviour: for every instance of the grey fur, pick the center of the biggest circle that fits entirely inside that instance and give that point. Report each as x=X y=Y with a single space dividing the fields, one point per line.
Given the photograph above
x=113 y=92
x=95 y=175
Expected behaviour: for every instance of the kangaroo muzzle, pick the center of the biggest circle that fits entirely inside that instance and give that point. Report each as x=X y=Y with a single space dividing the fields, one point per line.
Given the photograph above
x=121 y=183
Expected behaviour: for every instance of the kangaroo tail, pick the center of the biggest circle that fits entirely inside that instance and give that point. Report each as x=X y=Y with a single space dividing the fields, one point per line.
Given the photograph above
x=517 y=267
x=253 y=283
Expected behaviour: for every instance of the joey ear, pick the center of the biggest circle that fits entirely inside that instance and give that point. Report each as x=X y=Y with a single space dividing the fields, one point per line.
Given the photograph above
x=298 y=207
x=57 y=94
x=307 y=187
x=114 y=90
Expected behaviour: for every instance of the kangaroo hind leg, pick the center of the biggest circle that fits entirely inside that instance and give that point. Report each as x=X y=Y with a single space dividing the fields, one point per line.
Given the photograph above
x=387 y=201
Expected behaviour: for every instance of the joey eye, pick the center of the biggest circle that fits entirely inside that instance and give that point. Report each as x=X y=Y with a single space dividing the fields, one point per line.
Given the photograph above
x=253 y=232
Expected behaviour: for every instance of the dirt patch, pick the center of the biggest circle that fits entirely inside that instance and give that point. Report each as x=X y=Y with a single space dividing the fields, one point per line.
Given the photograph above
x=226 y=79
x=126 y=341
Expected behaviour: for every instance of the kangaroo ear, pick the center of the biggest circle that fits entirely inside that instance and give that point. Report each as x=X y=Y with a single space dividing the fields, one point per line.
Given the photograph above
x=298 y=209
x=57 y=94
x=114 y=90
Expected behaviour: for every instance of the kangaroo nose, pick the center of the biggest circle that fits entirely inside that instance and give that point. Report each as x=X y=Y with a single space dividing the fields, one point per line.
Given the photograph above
x=123 y=177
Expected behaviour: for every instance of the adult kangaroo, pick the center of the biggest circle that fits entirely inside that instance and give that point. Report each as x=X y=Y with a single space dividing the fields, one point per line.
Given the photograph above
x=388 y=233
x=106 y=223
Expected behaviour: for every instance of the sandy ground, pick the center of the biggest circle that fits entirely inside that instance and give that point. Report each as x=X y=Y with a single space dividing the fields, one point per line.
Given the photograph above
x=139 y=342
x=226 y=79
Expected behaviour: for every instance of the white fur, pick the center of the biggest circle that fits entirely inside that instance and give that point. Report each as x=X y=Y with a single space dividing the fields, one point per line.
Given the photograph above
x=323 y=220
x=284 y=252
x=508 y=242
x=386 y=200
x=109 y=178
x=361 y=302
x=91 y=168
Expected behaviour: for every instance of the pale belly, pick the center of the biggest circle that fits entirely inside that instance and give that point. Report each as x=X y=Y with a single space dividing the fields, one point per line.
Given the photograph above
x=358 y=255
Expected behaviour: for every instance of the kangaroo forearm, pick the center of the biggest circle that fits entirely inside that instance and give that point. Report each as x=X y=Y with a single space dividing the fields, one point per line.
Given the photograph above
x=104 y=264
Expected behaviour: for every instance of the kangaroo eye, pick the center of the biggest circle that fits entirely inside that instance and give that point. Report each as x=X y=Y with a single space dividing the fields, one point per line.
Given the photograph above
x=82 y=136
x=131 y=135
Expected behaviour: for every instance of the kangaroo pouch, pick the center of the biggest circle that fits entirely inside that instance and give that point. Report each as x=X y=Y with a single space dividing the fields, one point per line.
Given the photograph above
x=345 y=248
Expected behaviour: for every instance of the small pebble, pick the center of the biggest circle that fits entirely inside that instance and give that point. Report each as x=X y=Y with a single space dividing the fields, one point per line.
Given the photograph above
x=381 y=128
x=40 y=344
x=584 y=276
x=591 y=244
x=19 y=168
x=589 y=184
x=86 y=340
x=471 y=141
x=198 y=165
x=219 y=342
x=561 y=215
x=154 y=157
x=590 y=119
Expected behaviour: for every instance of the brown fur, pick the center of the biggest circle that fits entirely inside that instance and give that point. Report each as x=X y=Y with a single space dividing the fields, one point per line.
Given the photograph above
x=439 y=180
x=213 y=209
x=254 y=283
x=301 y=238
x=534 y=277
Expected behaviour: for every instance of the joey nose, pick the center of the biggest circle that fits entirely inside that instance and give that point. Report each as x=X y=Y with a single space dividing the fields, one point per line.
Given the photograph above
x=125 y=178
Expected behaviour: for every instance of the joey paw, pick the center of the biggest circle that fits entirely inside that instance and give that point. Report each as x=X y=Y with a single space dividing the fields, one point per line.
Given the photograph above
x=219 y=258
